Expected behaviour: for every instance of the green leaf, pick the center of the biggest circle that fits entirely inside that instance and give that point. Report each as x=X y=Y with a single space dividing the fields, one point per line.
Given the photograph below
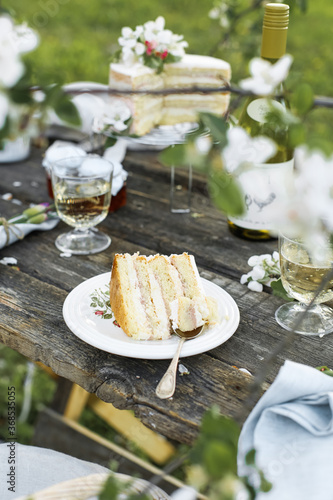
x=296 y=135
x=215 y=425
x=303 y=5
x=100 y=302
x=225 y=193
x=250 y=457
x=4 y=131
x=219 y=459
x=116 y=56
x=279 y=291
x=52 y=94
x=67 y=111
x=110 y=489
x=325 y=370
x=217 y=126
x=20 y=95
x=170 y=58
x=302 y=98
x=265 y=485
x=107 y=316
x=315 y=142
x=110 y=141
x=174 y=155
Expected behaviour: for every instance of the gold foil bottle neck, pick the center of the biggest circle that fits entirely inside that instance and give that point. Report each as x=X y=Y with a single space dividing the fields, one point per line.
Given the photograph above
x=275 y=28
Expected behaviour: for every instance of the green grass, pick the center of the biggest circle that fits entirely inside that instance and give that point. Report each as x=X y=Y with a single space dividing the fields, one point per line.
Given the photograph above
x=79 y=36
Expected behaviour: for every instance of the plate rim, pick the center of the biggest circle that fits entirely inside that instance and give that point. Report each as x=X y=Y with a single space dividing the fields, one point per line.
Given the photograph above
x=186 y=351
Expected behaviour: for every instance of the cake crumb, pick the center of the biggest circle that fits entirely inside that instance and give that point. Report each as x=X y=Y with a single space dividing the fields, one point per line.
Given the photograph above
x=183 y=370
x=196 y=215
x=244 y=370
x=138 y=376
x=17 y=183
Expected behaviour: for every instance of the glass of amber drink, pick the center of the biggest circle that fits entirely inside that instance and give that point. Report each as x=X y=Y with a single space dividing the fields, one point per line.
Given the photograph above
x=308 y=278
x=82 y=195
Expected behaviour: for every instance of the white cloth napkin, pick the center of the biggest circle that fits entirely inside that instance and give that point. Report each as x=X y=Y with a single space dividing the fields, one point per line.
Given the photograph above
x=291 y=428
x=23 y=230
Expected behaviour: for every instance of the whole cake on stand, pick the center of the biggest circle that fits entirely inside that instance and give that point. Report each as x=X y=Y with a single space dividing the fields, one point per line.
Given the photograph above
x=152 y=58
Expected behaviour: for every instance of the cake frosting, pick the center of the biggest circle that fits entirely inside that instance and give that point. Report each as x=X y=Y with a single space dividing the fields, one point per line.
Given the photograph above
x=150 y=296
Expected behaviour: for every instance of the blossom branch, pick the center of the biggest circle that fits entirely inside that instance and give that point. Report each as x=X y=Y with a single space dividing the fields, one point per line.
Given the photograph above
x=319 y=101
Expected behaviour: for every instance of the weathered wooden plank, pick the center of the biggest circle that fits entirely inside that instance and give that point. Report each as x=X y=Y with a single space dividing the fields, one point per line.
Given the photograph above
x=35 y=328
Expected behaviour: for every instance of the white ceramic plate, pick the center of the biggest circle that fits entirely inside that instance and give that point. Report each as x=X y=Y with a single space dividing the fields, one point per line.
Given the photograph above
x=103 y=334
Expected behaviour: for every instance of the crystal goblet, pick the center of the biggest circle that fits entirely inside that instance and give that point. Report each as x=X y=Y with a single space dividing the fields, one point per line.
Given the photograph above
x=304 y=275
x=82 y=195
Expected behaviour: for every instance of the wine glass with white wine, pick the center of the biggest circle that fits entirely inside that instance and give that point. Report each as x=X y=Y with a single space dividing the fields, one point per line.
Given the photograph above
x=82 y=195
x=304 y=276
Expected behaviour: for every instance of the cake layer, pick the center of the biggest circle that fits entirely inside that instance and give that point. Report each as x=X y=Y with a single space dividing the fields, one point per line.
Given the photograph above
x=184 y=108
x=196 y=70
x=135 y=77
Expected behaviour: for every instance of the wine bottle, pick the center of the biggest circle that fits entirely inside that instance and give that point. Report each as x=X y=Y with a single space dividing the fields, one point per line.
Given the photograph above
x=264 y=184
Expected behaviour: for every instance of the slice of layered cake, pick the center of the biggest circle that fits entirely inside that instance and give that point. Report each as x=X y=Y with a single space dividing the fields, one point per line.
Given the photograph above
x=150 y=296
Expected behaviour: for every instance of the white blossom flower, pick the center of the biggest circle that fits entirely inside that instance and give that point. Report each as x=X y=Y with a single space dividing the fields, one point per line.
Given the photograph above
x=139 y=49
x=11 y=67
x=309 y=208
x=265 y=269
x=24 y=38
x=128 y=56
x=244 y=279
x=14 y=40
x=184 y=493
x=243 y=149
x=151 y=39
x=128 y=38
x=220 y=12
x=257 y=273
x=266 y=77
x=214 y=13
x=203 y=144
x=115 y=115
x=4 y=109
x=255 y=286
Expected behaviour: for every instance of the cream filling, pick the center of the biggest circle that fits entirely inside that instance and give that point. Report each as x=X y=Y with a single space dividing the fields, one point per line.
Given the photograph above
x=163 y=325
x=194 y=80
x=137 y=302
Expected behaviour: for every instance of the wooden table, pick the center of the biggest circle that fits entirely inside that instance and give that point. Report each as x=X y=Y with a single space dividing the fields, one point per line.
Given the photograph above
x=31 y=300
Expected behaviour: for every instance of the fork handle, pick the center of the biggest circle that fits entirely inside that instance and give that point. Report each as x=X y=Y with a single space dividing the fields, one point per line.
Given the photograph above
x=167 y=385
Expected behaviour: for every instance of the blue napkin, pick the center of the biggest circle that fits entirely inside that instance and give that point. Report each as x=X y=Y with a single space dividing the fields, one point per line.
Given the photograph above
x=291 y=428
